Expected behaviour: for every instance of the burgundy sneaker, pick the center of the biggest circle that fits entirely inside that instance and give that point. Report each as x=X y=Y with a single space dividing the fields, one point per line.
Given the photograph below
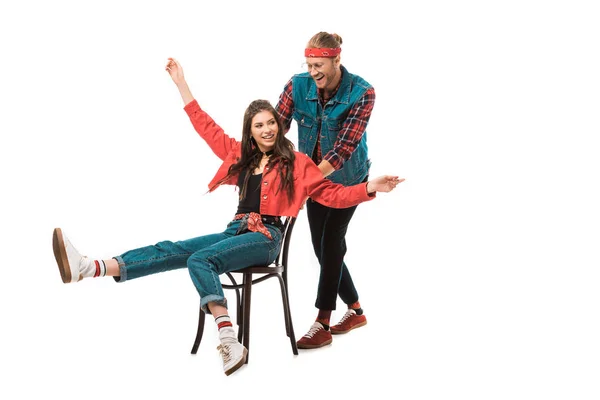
x=316 y=337
x=349 y=321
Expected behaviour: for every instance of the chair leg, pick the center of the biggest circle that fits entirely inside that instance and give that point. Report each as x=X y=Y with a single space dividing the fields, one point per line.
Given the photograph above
x=289 y=327
x=247 y=294
x=238 y=309
x=201 y=318
x=284 y=302
x=239 y=314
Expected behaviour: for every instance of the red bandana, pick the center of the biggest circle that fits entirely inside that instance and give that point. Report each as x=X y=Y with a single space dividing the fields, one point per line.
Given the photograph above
x=253 y=223
x=322 y=52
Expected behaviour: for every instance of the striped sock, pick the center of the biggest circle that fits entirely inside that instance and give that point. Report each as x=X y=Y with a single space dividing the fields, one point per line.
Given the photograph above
x=356 y=307
x=324 y=317
x=223 y=321
x=100 y=268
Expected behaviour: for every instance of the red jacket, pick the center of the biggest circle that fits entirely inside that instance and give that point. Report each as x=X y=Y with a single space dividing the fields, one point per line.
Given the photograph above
x=308 y=178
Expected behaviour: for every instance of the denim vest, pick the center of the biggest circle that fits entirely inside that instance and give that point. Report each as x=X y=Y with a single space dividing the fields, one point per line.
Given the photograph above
x=309 y=114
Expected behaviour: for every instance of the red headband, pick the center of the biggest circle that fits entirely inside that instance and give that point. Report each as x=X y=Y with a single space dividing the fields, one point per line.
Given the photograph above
x=322 y=52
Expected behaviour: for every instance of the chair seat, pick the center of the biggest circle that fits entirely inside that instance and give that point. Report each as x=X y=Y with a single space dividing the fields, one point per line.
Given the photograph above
x=274 y=269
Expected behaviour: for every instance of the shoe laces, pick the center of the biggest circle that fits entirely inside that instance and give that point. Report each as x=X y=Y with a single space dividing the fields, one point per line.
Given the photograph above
x=313 y=330
x=225 y=351
x=348 y=314
x=69 y=244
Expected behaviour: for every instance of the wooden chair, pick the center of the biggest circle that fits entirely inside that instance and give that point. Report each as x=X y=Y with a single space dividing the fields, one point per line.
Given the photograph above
x=276 y=270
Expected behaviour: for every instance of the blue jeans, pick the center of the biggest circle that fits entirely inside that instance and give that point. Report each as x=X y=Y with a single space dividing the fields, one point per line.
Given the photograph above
x=206 y=257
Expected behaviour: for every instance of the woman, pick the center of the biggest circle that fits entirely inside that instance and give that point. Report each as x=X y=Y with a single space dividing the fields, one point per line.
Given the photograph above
x=273 y=181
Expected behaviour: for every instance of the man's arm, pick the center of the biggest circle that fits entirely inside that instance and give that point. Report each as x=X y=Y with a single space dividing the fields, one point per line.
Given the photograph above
x=285 y=107
x=350 y=135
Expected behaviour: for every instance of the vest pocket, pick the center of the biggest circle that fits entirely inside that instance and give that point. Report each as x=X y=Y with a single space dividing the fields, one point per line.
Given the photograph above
x=330 y=129
x=334 y=124
x=306 y=128
x=304 y=120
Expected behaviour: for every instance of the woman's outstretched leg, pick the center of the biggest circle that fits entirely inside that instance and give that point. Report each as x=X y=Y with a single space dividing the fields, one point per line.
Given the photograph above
x=73 y=266
x=160 y=257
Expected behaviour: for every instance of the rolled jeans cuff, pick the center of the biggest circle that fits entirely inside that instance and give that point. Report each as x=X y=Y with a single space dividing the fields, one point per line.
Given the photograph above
x=220 y=300
x=122 y=270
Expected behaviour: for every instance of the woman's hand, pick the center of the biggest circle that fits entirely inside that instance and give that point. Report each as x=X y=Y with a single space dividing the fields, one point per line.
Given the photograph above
x=175 y=70
x=385 y=183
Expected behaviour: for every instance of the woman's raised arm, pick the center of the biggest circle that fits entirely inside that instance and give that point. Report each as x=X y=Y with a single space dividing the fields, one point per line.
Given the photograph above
x=220 y=143
x=176 y=71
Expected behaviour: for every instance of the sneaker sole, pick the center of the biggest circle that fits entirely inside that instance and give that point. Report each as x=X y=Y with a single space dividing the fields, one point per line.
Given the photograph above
x=238 y=365
x=60 y=254
x=348 y=330
x=313 y=346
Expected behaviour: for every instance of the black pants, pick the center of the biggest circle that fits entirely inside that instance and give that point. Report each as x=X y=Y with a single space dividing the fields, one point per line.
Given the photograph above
x=328 y=231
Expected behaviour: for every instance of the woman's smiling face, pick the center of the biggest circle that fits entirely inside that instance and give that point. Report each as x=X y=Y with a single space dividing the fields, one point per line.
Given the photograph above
x=264 y=130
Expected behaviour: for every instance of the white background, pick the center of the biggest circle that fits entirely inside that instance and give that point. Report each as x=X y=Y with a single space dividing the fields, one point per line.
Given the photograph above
x=479 y=274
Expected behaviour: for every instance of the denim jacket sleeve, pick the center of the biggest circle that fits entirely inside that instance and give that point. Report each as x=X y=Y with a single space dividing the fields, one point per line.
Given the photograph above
x=207 y=128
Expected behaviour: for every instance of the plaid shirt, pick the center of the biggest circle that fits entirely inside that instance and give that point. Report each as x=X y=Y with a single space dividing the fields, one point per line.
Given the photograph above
x=349 y=136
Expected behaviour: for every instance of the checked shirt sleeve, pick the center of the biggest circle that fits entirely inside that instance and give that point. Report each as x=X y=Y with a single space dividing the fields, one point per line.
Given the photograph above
x=352 y=130
x=285 y=106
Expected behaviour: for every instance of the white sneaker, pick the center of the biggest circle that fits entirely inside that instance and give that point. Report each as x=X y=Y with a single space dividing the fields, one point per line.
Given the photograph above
x=73 y=266
x=232 y=351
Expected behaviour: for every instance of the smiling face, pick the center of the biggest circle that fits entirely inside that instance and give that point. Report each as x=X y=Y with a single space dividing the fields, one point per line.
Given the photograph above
x=325 y=71
x=264 y=130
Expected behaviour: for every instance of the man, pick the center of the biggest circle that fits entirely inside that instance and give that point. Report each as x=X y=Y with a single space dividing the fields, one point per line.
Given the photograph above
x=332 y=108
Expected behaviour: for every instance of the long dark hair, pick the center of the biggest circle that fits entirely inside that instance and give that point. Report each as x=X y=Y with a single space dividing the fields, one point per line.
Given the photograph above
x=282 y=158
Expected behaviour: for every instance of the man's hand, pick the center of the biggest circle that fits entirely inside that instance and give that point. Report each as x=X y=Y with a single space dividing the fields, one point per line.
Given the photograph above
x=326 y=168
x=303 y=203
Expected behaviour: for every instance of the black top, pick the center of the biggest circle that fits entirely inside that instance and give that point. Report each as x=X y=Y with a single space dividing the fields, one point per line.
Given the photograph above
x=251 y=203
